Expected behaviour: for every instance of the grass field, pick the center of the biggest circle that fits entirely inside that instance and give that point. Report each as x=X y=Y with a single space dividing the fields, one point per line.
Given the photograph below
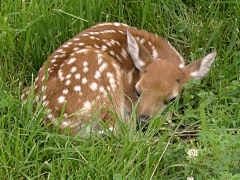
x=207 y=120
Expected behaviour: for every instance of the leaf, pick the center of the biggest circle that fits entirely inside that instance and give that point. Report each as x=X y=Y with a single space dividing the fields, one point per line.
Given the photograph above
x=179 y=27
x=117 y=177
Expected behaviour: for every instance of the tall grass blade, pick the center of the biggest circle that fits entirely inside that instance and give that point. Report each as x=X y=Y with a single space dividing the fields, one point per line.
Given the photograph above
x=235 y=33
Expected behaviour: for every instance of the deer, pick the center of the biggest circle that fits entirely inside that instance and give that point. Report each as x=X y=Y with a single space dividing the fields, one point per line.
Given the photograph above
x=107 y=68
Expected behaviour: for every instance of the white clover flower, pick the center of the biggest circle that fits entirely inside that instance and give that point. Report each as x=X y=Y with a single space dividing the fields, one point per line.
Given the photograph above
x=192 y=153
x=190 y=178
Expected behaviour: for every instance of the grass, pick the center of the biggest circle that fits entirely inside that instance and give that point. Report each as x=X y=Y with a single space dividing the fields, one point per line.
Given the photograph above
x=207 y=119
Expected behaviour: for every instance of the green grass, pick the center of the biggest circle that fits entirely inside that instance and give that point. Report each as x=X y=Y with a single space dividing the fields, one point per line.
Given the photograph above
x=207 y=119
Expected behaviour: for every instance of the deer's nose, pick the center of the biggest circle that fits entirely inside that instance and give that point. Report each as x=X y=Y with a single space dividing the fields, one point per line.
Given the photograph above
x=143 y=122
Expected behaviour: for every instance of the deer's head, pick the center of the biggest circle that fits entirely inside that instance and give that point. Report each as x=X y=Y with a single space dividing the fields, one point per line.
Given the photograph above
x=161 y=80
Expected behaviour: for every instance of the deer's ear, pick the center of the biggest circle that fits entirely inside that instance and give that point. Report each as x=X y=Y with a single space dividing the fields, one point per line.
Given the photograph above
x=199 y=68
x=139 y=54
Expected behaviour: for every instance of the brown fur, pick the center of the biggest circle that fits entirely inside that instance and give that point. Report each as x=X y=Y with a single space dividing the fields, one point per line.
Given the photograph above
x=99 y=62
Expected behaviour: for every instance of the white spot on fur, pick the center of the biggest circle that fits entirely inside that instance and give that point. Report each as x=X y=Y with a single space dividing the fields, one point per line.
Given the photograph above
x=65 y=91
x=112 y=41
x=101 y=89
x=116 y=24
x=76 y=48
x=84 y=81
x=71 y=60
x=109 y=44
x=85 y=51
x=68 y=76
x=104 y=24
x=96 y=46
x=53 y=60
x=81 y=44
x=59 y=50
x=77 y=88
x=43 y=88
x=43 y=78
x=85 y=69
x=97 y=75
x=117 y=70
x=130 y=76
x=118 y=58
x=68 y=82
x=104 y=48
x=99 y=57
x=93 y=86
x=104 y=40
x=109 y=74
x=124 y=53
x=77 y=76
x=112 y=52
x=85 y=63
x=76 y=39
x=44 y=97
x=50 y=116
x=93 y=33
x=111 y=80
x=23 y=96
x=73 y=69
x=45 y=103
x=103 y=67
x=118 y=43
x=85 y=35
x=87 y=105
x=61 y=99
x=65 y=46
x=142 y=40
x=60 y=75
x=121 y=32
x=107 y=31
x=62 y=55
x=37 y=98
x=154 y=52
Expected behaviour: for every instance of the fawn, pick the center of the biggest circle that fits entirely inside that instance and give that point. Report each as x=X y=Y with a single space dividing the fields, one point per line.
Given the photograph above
x=116 y=60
